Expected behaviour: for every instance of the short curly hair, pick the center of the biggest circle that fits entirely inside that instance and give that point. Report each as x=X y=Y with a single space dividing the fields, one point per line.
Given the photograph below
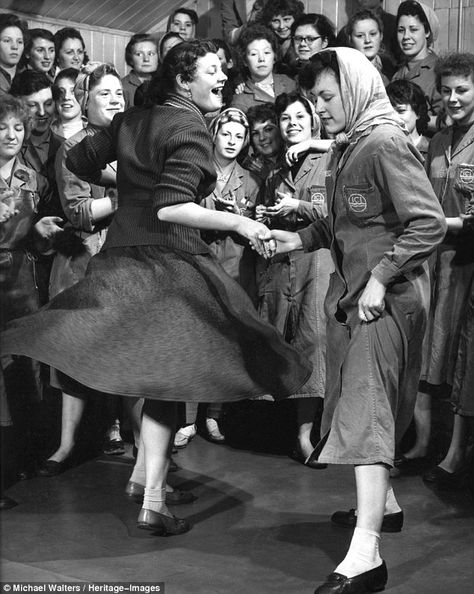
x=454 y=64
x=180 y=60
x=294 y=8
x=14 y=106
x=253 y=33
x=262 y=112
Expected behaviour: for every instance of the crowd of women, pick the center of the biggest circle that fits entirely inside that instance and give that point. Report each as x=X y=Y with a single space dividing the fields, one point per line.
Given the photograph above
x=295 y=203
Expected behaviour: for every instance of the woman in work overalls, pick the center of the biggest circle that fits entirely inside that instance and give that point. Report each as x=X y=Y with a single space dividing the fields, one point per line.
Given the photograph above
x=383 y=222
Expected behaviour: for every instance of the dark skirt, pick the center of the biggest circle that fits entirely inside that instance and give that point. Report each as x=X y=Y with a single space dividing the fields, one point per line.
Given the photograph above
x=157 y=323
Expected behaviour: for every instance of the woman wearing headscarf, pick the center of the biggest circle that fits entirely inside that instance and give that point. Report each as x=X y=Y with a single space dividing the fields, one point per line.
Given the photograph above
x=383 y=221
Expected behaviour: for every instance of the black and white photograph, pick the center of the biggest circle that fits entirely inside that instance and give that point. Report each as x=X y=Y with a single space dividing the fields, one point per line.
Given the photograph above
x=237 y=296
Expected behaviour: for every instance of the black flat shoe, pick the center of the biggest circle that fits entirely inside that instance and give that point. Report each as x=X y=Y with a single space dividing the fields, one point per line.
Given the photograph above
x=177 y=497
x=410 y=465
x=364 y=583
x=160 y=524
x=391 y=522
x=442 y=479
x=297 y=455
x=51 y=468
x=7 y=502
x=114 y=447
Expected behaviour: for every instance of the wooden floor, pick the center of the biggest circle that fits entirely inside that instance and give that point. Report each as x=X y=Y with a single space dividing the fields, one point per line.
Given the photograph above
x=261 y=526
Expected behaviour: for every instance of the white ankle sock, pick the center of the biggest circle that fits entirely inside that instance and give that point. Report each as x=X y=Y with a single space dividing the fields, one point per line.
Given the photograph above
x=155 y=499
x=391 y=504
x=363 y=554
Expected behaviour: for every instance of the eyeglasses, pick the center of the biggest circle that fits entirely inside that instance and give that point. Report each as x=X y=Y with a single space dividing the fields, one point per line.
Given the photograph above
x=308 y=39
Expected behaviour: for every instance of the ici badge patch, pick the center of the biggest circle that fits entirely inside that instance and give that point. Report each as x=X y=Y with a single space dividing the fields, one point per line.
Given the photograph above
x=357 y=203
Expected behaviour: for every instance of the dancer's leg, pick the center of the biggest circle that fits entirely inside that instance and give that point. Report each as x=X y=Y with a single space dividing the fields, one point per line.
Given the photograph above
x=71 y=415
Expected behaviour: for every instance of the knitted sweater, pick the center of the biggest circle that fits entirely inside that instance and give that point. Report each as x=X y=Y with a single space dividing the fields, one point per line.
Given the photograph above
x=164 y=157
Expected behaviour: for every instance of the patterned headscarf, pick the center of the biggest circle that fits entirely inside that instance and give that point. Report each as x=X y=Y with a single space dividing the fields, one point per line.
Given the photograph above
x=81 y=90
x=232 y=114
x=364 y=98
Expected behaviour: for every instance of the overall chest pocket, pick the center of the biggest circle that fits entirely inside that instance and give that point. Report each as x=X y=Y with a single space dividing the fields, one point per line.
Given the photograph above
x=464 y=183
x=361 y=203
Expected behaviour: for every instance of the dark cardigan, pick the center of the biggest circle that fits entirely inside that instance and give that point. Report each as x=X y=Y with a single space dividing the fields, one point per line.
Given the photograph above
x=164 y=157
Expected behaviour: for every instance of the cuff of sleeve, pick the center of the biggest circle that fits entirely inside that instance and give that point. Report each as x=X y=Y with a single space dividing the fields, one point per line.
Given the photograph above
x=385 y=272
x=306 y=239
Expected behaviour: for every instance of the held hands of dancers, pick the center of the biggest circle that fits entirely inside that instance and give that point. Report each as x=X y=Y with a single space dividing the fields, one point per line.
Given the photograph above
x=372 y=301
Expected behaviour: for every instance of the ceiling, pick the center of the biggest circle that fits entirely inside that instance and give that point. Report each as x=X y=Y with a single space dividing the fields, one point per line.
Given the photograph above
x=126 y=15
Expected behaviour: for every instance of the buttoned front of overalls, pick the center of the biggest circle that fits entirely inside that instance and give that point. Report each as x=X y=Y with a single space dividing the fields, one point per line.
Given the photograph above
x=292 y=288
x=235 y=255
x=452 y=175
x=384 y=220
x=17 y=258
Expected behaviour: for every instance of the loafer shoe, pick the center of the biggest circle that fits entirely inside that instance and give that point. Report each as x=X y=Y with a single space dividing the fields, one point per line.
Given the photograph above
x=390 y=523
x=297 y=455
x=213 y=432
x=177 y=497
x=51 y=467
x=160 y=524
x=184 y=436
x=114 y=447
x=442 y=479
x=364 y=583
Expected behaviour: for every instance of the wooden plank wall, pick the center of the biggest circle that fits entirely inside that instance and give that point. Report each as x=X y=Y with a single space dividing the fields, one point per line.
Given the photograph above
x=109 y=45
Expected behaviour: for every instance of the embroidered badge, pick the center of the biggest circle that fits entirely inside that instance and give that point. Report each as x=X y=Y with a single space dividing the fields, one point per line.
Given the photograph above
x=466 y=174
x=357 y=203
x=317 y=198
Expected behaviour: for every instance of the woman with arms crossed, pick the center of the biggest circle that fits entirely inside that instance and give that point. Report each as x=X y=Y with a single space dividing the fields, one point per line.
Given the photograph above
x=383 y=222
